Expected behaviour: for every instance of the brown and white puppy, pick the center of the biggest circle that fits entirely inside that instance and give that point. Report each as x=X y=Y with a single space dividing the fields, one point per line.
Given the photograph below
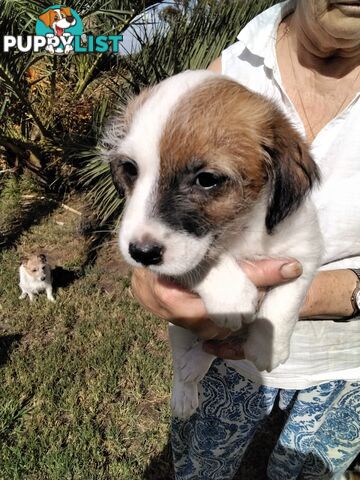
x=35 y=277
x=214 y=173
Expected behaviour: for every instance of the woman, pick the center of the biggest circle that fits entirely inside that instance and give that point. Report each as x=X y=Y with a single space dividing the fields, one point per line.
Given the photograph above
x=305 y=55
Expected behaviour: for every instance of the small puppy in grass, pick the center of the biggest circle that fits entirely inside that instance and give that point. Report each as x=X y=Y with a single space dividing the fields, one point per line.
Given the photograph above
x=35 y=277
x=214 y=173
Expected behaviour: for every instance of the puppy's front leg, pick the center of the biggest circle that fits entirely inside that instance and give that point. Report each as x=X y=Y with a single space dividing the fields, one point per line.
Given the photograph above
x=269 y=337
x=23 y=295
x=190 y=365
x=229 y=296
x=49 y=294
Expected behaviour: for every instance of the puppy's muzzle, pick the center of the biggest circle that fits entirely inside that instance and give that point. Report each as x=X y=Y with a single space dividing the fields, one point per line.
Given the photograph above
x=147 y=253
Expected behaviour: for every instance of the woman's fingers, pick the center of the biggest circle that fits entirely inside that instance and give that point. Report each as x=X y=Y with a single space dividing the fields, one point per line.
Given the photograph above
x=169 y=301
x=270 y=272
x=173 y=303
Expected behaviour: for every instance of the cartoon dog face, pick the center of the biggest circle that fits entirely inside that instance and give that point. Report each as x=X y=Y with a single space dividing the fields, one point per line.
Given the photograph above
x=58 y=19
x=195 y=155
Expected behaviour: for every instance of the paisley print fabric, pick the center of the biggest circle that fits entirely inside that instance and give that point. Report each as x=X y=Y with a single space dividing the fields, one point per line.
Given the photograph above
x=319 y=440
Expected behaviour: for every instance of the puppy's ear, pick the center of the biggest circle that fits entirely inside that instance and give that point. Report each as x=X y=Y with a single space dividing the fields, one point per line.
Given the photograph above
x=42 y=257
x=117 y=178
x=291 y=170
x=24 y=260
x=48 y=17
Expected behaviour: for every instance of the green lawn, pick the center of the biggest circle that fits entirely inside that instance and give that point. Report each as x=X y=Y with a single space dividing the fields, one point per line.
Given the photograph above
x=85 y=382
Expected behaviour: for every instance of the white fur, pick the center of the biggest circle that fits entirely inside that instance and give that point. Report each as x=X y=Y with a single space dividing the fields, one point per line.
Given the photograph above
x=31 y=286
x=137 y=220
x=229 y=296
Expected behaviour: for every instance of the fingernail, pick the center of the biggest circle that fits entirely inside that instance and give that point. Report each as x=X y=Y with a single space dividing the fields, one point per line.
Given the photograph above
x=291 y=270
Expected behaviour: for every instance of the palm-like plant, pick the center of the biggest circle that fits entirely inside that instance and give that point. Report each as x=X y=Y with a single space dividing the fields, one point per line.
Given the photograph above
x=47 y=102
x=53 y=108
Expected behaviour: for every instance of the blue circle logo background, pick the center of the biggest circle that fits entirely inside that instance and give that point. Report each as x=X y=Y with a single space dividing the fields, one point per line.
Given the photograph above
x=42 y=29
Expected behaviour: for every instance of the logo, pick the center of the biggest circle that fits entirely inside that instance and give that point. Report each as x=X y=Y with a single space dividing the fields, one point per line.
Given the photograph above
x=59 y=30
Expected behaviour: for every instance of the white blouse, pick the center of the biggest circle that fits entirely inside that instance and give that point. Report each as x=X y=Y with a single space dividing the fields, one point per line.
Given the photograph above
x=321 y=350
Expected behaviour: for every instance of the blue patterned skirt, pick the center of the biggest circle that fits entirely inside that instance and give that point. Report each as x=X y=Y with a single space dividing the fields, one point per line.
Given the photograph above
x=319 y=440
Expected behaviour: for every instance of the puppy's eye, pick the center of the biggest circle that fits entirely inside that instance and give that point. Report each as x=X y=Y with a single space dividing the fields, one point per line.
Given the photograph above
x=208 y=180
x=34 y=270
x=130 y=169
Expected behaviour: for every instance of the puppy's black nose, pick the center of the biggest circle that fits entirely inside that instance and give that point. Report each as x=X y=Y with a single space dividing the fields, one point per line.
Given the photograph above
x=43 y=278
x=147 y=253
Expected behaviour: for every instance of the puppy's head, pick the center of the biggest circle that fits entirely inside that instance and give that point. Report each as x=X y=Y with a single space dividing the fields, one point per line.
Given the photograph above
x=194 y=155
x=35 y=266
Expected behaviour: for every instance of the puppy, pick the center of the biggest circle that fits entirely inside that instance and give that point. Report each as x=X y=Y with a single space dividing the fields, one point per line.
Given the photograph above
x=214 y=173
x=35 y=277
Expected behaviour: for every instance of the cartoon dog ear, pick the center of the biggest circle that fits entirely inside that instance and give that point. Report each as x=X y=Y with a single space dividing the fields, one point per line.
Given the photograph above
x=42 y=257
x=66 y=11
x=292 y=173
x=48 y=18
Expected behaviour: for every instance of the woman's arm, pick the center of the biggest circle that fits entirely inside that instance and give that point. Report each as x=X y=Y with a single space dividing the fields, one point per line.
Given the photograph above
x=330 y=294
x=215 y=65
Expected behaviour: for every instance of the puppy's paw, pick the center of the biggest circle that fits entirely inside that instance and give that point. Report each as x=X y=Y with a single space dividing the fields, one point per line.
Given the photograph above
x=184 y=399
x=22 y=296
x=234 y=308
x=193 y=365
x=265 y=351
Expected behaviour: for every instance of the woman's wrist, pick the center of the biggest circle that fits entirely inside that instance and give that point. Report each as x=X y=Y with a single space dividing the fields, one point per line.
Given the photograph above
x=330 y=295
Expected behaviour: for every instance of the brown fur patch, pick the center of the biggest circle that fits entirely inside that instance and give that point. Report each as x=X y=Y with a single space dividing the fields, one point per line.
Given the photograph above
x=238 y=134
x=221 y=124
x=34 y=262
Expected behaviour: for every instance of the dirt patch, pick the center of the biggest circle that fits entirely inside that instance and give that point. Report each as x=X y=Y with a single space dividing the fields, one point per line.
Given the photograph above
x=111 y=266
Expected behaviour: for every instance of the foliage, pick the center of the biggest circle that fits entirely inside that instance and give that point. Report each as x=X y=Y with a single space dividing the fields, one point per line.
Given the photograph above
x=85 y=381
x=53 y=108
x=48 y=102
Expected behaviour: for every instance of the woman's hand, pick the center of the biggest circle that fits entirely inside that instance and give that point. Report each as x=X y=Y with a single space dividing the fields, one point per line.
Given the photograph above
x=185 y=309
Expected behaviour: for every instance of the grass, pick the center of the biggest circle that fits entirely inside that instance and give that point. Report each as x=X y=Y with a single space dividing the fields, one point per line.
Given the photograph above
x=85 y=382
